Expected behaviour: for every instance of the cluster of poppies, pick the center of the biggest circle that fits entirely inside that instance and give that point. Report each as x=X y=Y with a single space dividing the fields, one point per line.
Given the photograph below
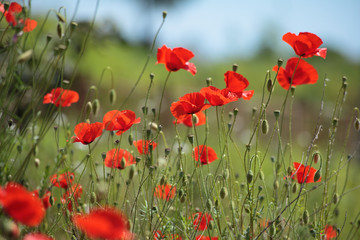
x=14 y=16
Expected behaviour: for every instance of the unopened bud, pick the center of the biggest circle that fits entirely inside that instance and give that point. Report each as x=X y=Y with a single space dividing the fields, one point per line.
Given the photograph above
x=223 y=192
x=88 y=109
x=37 y=162
x=93 y=198
x=269 y=85
x=235 y=111
x=167 y=151
x=60 y=17
x=335 y=198
x=123 y=163
x=277 y=114
x=280 y=62
x=276 y=184
x=264 y=126
x=306 y=216
x=292 y=90
x=261 y=175
x=25 y=56
x=163 y=180
x=60 y=30
x=191 y=138
x=294 y=188
x=131 y=172
x=335 y=122
x=164 y=14
x=209 y=204
x=208 y=81
x=73 y=26
x=316 y=157
x=249 y=176
x=112 y=96
x=235 y=67
x=96 y=106
x=226 y=174
x=272 y=230
x=357 y=124
x=317 y=175
x=130 y=139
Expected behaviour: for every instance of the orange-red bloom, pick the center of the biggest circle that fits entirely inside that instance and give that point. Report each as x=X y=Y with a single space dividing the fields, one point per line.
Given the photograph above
x=176 y=59
x=11 y=17
x=61 y=97
x=45 y=198
x=74 y=193
x=201 y=220
x=330 y=232
x=21 y=205
x=189 y=104
x=305 y=44
x=118 y=158
x=62 y=180
x=36 y=236
x=304 y=174
x=187 y=120
x=108 y=223
x=143 y=146
x=86 y=132
x=205 y=154
x=119 y=121
x=165 y=192
x=304 y=73
x=201 y=237
x=29 y=25
x=236 y=84
x=217 y=97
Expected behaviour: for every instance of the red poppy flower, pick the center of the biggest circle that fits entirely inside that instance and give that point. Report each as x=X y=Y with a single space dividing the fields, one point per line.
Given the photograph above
x=305 y=44
x=165 y=192
x=107 y=223
x=158 y=235
x=73 y=194
x=217 y=97
x=304 y=173
x=120 y=121
x=29 y=25
x=187 y=120
x=63 y=180
x=201 y=220
x=236 y=83
x=200 y=237
x=118 y=158
x=21 y=205
x=10 y=14
x=176 y=59
x=189 y=104
x=61 y=97
x=36 y=236
x=304 y=73
x=330 y=232
x=143 y=146
x=207 y=154
x=45 y=198
x=86 y=132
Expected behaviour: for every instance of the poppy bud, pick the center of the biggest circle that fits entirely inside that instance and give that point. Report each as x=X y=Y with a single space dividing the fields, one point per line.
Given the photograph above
x=249 y=176
x=335 y=198
x=137 y=159
x=60 y=17
x=88 y=109
x=163 y=180
x=235 y=67
x=260 y=188
x=226 y=174
x=272 y=230
x=130 y=139
x=93 y=197
x=96 y=106
x=153 y=110
x=269 y=85
x=264 y=126
x=292 y=90
x=123 y=163
x=280 y=62
x=316 y=157
x=144 y=110
x=276 y=114
x=306 y=216
x=235 y=111
x=209 y=204
x=335 y=122
x=317 y=175
x=294 y=188
x=167 y=151
x=261 y=175
x=208 y=81
x=211 y=225
x=131 y=172
x=154 y=126
x=276 y=184
x=25 y=56
x=254 y=109
x=344 y=79
x=183 y=198
x=223 y=192
x=357 y=124
x=37 y=162
x=112 y=96
x=191 y=138
x=217 y=203
x=73 y=26
x=60 y=30
x=164 y=14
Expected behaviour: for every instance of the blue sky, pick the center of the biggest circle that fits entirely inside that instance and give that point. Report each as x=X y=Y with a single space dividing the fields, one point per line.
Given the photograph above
x=217 y=29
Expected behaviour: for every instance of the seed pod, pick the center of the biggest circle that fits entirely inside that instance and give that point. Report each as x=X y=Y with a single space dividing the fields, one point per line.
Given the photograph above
x=306 y=216
x=264 y=126
x=73 y=26
x=335 y=122
x=96 y=106
x=223 y=192
x=249 y=176
x=112 y=96
x=235 y=111
x=208 y=81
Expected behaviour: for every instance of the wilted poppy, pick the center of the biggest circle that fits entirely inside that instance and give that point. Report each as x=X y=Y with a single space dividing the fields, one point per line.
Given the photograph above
x=236 y=84
x=165 y=192
x=187 y=120
x=118 y=158
x=201 y=237
x=21 y=205
x=73 y=194
x=304 y=73
x=62 y=180
x=176 y=59
x=143 y=146
x=304 y=174
x=305 y=44
x=86 y=132
x=206 y=154
x=104 y=223
x=217 y=97
x=36 y=236
x=189 y=104
x=61 y=97
x=119 y=121
x=45 y=198
x=201 y=220
x=330 y=232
